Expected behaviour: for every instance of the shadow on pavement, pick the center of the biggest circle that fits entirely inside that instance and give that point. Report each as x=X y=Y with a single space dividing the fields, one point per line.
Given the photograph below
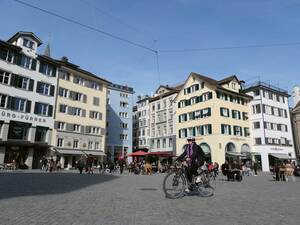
x=30 y=184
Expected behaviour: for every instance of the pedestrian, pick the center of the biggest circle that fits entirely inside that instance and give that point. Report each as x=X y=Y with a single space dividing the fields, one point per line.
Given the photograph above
x=44 y=163
x=80 y=164
x=121 y=165
x=255 y=167
x=51 y=164
x=89 y=164
x=289 y=171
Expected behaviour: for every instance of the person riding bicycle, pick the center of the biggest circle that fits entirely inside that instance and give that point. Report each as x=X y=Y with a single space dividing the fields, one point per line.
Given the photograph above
x=193 y=155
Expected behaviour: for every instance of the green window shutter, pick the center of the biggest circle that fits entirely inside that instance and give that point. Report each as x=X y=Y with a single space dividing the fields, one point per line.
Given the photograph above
x=229 y=130
x=179 y=133
x=239 y=115
x=221 y=111
x=179 y=118
x=209 y=129
x=222 y=129
x=179 y=105
x=201 y=130
x=241 y=129
x=209 y=111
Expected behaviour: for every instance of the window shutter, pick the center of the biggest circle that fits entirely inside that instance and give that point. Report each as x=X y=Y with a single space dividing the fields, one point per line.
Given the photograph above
x=194 y=131
x=179 y=133
x=31 y=83
x=239 y=113
x=229 y=128
x=69 y=127
x=202 y=85
x=55 y=124
x=28 y=106
x=233 y=114
x=71 y=94
x=222 y=128
x=41 y=67
x=8 y=104
x=209 y=112
x=179 y=105
x=33 y=64
x=200 y=98
x=36 y=106
x=210 y=95
x=12 y=103
x=241 y=131
x=70 y=110
x=202 y=130
x=52 y=90
x=83 y=113
x=12 y=79
x=54 y=72
x=197 y=87
x=221 y=111
x=50 y=110
x=179 y=118
x=38 y=87
x=209 y=129
x=228 y=112
x=218 y=94
x=84 y=98
x=82 y=129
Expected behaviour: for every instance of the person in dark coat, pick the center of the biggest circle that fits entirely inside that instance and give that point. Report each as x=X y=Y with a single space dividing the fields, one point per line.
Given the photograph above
x=194 y=157
x=80 y=164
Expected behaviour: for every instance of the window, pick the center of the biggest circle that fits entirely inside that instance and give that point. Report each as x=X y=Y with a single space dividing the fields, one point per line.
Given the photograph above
x=90 y=145
x=256 y=92
x=158 y=106
x=95 y=115
x=256 y=125
x=77 y=112
x=47 y=69
x=183 y=133
x=237 y=130
x=79 y=80
x=4 y=77
x=206 y=112
x=257 y=141
x=256 y=109
x=75 y=143
x=97 y=145
x=28 y=44
x=124 y=104
x=19 y=104
x=6 y=55
x=96 y=101
x=158 y=143
x=206 y=129
x=123 y=136
x=60 y=142
x=61 y=125
x=124 y=125
x=95 y=86
x=224 y=112
x=45 y=88
x=76 y=127
x=64 y=75
x=41 y=109
x=170 y=142
x=233 y=84
x=236 y=114
x=3 y=100
x=62 y=108
x=245 y=116
x=226 y=129
x=123 y=95
x=246 y=132
x=63 y=92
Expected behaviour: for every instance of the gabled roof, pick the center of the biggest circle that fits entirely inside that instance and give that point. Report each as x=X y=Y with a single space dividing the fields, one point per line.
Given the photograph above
x=228 y=79
x=163 y=86
x=24 y=33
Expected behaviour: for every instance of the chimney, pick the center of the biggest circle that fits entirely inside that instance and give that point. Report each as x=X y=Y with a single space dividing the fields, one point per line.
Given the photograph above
x=64 y=59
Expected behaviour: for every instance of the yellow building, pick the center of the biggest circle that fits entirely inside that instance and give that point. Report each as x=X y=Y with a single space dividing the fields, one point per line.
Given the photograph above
x=80 y=114
x=216 y=114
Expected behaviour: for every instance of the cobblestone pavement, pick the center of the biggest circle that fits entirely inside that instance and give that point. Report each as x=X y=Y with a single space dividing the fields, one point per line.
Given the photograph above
x=70 y=198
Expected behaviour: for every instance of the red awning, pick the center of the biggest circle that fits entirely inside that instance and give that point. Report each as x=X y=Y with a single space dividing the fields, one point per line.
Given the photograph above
x=138 y=153
x=162 y=154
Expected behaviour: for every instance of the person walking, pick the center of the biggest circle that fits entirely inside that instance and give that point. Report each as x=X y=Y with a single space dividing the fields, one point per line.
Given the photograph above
x=80 y=164
x=89 y=164
x=44 y=164
x=121 y=165
x=255 y=167
x=51 y=164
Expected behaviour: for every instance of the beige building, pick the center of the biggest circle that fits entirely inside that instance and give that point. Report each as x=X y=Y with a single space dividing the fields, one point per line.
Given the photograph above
x=216 y=114
x=80 y=114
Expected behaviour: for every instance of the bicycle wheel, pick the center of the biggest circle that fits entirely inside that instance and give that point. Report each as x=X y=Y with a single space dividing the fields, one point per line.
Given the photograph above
x=206 y=190
x=174 y=185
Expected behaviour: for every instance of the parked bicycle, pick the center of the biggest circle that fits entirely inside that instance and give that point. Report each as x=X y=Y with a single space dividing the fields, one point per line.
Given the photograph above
x=176 y=182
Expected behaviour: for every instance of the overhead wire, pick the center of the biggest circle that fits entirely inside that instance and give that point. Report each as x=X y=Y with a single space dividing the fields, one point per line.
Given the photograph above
x=86 y=26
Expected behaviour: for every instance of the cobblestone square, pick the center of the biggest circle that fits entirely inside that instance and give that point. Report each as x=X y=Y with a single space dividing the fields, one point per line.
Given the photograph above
x=70 y=198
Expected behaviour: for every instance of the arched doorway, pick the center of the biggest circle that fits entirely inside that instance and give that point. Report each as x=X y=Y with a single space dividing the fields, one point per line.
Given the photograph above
x=230 y=152
x=207 y=151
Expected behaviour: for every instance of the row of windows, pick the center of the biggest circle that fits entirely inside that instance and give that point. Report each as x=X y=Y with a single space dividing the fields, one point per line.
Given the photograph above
x=75 y=96
x=269 y=110
x=76 y=144
x=124 y=104
x=164 y=104
x=270 y=95
x=271 y=126
x=161 y=143
x=203 y=113
x=75 y=111
x=194 y=100
x=231 y=98
x=274 y=141
x=207 y=129
x=193 y=88
x=123 y=136
x=27 y=62
x=235 y=114
x=25 y=83
x=24 y=105
x=123 y=95
x=123 y=114
x=77 y=128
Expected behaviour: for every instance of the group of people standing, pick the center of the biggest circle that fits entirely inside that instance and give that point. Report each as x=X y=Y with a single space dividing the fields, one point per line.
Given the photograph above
x=284 y=170
x=50 y=164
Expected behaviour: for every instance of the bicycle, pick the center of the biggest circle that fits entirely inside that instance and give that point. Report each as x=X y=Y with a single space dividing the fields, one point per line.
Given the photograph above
x=176 y=182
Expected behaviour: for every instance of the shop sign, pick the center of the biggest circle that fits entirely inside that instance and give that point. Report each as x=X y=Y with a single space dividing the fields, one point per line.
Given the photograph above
x=277 y=149
x=237 y=139
x=11 y=115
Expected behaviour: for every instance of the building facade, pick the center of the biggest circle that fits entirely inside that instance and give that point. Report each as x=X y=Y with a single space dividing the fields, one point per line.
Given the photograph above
x=162 y=120
x=143 y=123
x=119 y=121
x=295 y=115
x=215 y=113
x=80 y=115
x=270 y=123
x=135 y=129
x=27 y=100
x=296 y=95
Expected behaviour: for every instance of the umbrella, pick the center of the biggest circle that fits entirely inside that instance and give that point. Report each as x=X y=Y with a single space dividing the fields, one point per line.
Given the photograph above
x=138 y=153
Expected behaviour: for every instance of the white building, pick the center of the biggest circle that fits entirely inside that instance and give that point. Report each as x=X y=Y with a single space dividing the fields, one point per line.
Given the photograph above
x=270 y=124
x=27 y=99
x=162 y=120
x=143 y=122
x=296 y=95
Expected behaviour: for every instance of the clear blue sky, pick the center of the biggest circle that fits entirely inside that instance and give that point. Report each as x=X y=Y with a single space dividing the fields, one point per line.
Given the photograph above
x=176 y=24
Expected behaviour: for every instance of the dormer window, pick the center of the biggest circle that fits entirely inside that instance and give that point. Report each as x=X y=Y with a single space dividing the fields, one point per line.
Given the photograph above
x=233 y=85
x=28 y=44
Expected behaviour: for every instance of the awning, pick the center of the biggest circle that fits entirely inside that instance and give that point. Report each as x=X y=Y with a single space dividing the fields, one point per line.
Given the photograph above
x=138 y=153
x=69 y=152
x=161 y=153
x=281 y=156
x=96 y=153
x=236 y=154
